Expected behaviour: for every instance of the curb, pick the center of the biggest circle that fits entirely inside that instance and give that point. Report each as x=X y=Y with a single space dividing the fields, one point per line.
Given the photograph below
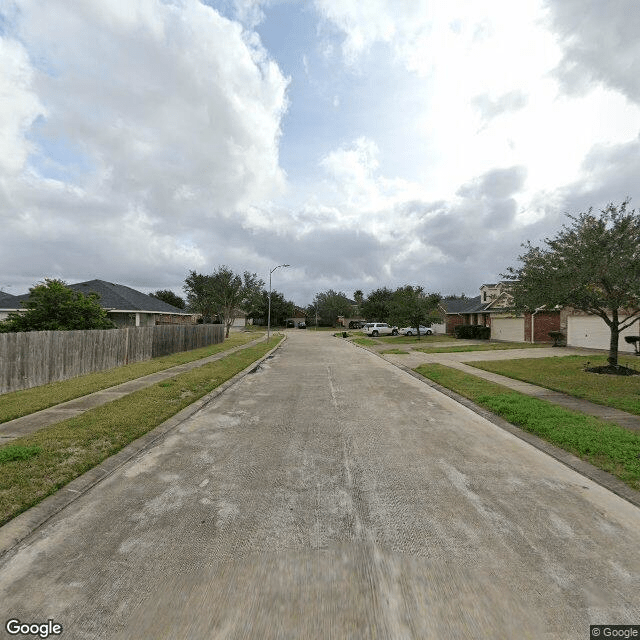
x=603 y=478
x=25 y=523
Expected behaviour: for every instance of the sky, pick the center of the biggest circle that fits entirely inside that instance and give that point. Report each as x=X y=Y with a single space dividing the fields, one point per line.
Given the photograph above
x=366 y=144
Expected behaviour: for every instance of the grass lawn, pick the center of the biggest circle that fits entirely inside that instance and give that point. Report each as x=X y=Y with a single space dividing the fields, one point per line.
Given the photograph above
x=567 y=374
x=396 y=351
x=603 y=444
x=425 y=340
x=489 y=346
x=21 y=403
x=365 y=342
x=35 y=466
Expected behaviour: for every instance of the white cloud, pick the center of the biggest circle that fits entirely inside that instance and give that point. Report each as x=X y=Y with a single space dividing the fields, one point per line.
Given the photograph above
x=19 y=105
x=361 y=189
x=167 y=111
x=426 y=140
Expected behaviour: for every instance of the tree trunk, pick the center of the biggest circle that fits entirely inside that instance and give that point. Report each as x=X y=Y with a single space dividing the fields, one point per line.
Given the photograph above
x=613 y=344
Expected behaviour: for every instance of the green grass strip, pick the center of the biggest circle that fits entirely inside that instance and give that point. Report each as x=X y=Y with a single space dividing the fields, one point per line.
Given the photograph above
x=365 y=342
x=604 y=444
x=21 y=403
x=567 y=375
x=70 y=448
x=400 y=339
x=489 y=346
x=396 y=351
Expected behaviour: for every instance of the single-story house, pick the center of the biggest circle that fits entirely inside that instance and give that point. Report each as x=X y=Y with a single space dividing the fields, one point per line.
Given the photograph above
x=8 y=304
x=125 y=306
x=492 y=309
x=298 y=317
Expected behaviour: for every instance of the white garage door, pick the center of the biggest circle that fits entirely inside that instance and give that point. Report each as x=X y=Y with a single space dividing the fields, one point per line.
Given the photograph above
x=593 y=333
x=507 y=329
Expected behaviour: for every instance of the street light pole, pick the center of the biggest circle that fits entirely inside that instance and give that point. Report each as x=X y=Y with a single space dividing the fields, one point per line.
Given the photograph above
x=269 y=314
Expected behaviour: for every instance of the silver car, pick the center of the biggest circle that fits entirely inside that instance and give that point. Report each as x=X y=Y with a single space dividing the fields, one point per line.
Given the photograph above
x=411 y=331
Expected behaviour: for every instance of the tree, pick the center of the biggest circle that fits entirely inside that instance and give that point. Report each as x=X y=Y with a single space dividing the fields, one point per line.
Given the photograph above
x=411 y=306
x=281 y=309
x=592 y=264
x=377 y=306
x=52 y=306
x=329 y=305
x=222 y=293
x=199 y=291
x=168 y=296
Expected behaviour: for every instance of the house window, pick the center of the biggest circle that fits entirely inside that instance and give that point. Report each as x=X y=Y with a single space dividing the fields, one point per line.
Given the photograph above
x=484 y=296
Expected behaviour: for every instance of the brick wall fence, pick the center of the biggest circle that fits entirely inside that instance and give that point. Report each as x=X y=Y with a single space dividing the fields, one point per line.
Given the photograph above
x=34 y=358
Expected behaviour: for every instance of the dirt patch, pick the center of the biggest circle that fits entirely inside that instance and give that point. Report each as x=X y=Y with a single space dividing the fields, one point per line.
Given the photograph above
x=612 y=370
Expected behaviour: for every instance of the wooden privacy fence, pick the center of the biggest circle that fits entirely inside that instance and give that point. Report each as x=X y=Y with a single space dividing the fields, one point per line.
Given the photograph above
x=34 y=358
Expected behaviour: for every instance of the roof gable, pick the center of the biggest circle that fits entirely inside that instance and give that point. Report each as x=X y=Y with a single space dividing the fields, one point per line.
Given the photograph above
x=9 y=301
x=468 y=305
x=118 y=297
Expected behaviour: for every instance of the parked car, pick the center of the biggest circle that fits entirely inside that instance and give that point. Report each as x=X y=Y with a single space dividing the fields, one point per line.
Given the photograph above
x=411 y=331
x=302 y=325
x=375 y=329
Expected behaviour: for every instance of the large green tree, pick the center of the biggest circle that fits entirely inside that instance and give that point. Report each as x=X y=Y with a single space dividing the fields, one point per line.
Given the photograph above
x=592 y=264
x=412 y=306
x=281 y=309
x=223 y=293
x=377 y=306
x=168 y=296
x=328 y=305
x=52 y=306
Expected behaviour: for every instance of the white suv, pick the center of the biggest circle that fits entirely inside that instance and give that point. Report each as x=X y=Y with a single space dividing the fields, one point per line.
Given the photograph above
x=379 y=329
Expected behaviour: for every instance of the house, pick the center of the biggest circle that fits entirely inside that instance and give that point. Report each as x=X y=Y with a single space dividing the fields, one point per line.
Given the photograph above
x=492 y=308
x=8 y=304
x=299 y=315
x=127 y=307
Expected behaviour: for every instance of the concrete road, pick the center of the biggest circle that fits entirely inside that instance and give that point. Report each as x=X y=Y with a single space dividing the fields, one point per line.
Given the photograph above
x=331 y=495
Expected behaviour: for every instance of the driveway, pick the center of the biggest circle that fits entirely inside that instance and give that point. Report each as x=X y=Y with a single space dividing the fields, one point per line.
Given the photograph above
x=332 y=495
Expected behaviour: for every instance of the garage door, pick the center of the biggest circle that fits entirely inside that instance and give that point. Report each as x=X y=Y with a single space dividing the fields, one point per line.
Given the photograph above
x=592 y=332
x=511 y=329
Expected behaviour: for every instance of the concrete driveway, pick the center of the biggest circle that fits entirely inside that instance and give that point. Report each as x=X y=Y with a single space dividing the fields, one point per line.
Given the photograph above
x=332 y=495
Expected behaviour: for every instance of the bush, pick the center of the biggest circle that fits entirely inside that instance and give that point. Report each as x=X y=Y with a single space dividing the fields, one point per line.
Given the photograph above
x=472 y=331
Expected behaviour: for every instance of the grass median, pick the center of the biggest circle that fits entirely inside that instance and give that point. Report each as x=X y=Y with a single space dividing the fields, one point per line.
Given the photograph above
x=603 y=444
x=22 y=403
x=567 y=374
x=35 y=466
x=489 y=346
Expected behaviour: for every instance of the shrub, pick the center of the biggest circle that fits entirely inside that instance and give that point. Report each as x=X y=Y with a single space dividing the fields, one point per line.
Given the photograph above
x=472 y=331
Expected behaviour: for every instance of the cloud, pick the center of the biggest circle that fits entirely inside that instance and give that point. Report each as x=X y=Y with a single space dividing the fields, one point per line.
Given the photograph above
x=490 y=108
x=495 y=184
x=124 y=120
x=19 y=106
x=600 y=44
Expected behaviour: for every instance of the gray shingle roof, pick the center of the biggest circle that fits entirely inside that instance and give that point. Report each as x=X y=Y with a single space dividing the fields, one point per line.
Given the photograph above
x=118 y=297
x=8 y=301
x=470 y=305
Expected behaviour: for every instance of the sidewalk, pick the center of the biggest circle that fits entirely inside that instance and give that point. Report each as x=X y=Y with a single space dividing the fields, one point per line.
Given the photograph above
x=459 y=360
x=34 y=421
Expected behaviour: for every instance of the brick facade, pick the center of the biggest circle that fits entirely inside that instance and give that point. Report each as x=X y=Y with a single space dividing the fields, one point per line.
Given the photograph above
x=454 y=321
x=543 y=322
